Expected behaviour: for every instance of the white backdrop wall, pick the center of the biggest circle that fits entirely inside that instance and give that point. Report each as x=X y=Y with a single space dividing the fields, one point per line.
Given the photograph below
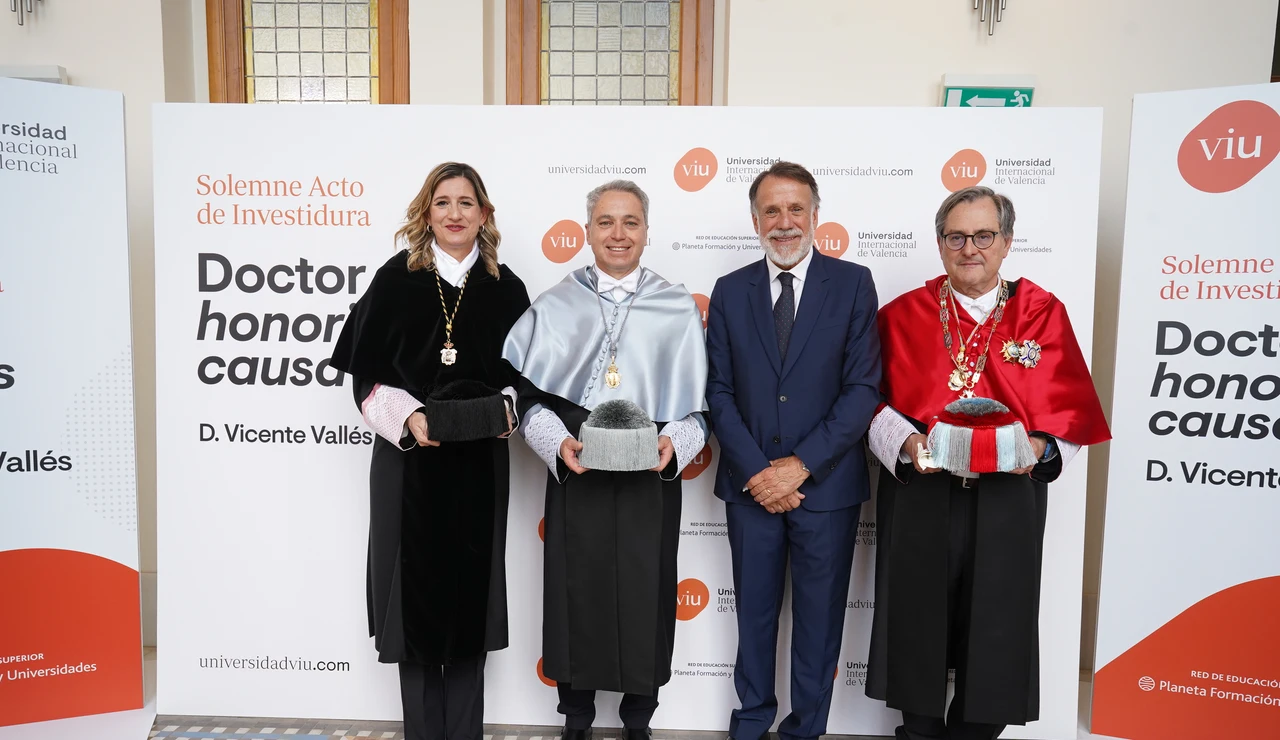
x=1133 y=46
x=298 y=510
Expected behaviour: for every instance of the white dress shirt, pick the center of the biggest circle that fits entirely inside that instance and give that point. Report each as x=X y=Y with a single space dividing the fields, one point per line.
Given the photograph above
x=799 y=272
x=979 y=307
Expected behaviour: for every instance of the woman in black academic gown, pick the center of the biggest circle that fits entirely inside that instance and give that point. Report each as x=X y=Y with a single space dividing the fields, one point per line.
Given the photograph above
x=435 y=313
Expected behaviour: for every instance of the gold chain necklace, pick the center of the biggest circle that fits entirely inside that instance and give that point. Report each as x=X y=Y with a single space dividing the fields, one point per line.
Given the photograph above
x=612 y=377
x=961 y=379
x=449 y=355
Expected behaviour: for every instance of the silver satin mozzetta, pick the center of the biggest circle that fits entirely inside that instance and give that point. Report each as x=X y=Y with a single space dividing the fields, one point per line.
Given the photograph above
x=561 y=346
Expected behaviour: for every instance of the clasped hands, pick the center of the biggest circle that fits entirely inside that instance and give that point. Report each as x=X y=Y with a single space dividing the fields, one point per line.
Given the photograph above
x=917 y=440
x=777 y=487
x=417 y=423
x=570 y=448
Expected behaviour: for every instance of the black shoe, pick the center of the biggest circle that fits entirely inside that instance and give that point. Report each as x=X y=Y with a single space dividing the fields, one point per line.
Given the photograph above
x=631 y=733
x=570 y=733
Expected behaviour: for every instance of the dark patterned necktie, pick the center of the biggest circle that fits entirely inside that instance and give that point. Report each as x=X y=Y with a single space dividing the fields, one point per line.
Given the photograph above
x=784 y=313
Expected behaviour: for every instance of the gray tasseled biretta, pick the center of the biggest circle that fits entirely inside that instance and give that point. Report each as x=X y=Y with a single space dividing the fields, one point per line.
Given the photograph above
x=465 y=410
x=619 y=436
x=977 y=407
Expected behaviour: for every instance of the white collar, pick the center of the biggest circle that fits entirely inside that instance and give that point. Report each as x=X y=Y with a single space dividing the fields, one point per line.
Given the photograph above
x=451 y=269
x=605 y=283
x=979 y=307
x=800 y=270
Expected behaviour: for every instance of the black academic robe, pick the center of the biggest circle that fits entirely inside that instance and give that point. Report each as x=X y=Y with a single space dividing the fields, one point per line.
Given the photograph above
x=913 y=629
x=436 y=585
x=609 y=570
x=990 y=635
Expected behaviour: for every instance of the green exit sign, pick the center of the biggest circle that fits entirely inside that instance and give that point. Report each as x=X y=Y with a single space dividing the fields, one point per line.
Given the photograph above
x=987 y=97
x=987 y=91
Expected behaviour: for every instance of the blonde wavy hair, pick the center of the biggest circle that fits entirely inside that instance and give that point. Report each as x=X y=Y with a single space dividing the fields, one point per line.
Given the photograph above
x=416 y=231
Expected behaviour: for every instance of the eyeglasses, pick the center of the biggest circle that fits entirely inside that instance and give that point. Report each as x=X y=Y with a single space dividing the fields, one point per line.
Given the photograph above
x=955 y=241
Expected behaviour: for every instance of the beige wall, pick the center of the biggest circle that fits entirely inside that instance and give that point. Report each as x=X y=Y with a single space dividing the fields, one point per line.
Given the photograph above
x=1084 y=53
x=767 y=52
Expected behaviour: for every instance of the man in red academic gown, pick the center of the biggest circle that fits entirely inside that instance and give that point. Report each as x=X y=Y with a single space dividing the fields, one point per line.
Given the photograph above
x=958 y=560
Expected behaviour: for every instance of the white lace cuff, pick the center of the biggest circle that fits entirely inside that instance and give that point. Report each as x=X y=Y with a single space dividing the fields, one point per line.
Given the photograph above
x=889 y=429
x=544 y=432
x=386 y=410
x=1066 y=450
x=687 y=437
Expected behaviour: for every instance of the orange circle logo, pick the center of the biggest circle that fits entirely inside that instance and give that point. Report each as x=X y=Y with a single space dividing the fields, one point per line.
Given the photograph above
x=542 y=676
x=704 y=303
x=1230 y=147
x=964 y=170
x=696 y=169
x=563 y=241
x=698 y=464
x=542 y=529
x=692 y=597
x=831 y=239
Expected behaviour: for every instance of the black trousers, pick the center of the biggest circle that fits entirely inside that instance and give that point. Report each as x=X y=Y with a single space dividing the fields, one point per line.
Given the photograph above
x=964 y=506
x=443 y=702
x=579 y=708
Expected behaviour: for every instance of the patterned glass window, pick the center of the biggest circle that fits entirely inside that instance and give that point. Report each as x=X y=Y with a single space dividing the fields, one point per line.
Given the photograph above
x=311 y=52
x=606 y=52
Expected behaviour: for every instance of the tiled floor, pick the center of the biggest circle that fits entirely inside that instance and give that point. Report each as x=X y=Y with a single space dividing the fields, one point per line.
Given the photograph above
x=203 y=728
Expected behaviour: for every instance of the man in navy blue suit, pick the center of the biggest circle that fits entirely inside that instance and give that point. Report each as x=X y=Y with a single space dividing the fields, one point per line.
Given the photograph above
x=793 y=381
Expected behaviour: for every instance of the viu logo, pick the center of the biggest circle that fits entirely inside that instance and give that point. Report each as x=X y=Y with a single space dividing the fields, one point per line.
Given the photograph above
x=1230 y=147
x=692 y=597
x=695 y=169
x=563 y=241
x=965 y=169
x=1209 y=154
x=832 y=239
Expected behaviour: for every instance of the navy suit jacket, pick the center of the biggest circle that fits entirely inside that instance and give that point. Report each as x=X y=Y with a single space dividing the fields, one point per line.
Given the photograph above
x=817 y=402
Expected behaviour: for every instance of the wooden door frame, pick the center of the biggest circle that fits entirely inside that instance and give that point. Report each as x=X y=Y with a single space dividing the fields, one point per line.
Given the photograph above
x=524 y=51
x=227 y=39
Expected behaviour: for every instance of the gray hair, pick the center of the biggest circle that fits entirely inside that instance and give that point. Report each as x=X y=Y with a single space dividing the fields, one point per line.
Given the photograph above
x=1004 y=208
x=617 y=186
x=787 y=171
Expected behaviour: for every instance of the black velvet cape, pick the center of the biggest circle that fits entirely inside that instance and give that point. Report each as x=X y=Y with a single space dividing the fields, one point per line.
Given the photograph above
x=609 y=569
x=436 y=585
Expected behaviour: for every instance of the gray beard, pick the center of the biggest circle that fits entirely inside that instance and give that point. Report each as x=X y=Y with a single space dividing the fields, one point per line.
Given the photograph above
x=791 y=259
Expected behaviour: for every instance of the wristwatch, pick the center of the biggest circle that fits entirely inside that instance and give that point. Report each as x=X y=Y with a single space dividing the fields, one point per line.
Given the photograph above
x=1050 y=450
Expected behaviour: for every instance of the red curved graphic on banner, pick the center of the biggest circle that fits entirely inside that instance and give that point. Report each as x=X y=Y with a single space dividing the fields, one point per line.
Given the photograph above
x=1211 y=671
x=70 y=636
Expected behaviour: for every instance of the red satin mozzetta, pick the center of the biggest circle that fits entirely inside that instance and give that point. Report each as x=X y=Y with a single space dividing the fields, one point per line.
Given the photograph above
x=1056 y=396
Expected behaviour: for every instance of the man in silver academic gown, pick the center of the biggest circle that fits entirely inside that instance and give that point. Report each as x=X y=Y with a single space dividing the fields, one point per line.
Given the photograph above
x=611 y=331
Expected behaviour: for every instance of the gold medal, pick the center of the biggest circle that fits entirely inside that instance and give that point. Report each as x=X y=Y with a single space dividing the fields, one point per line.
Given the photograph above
x=613 y=378
x=962 y=380
x=448 y=355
